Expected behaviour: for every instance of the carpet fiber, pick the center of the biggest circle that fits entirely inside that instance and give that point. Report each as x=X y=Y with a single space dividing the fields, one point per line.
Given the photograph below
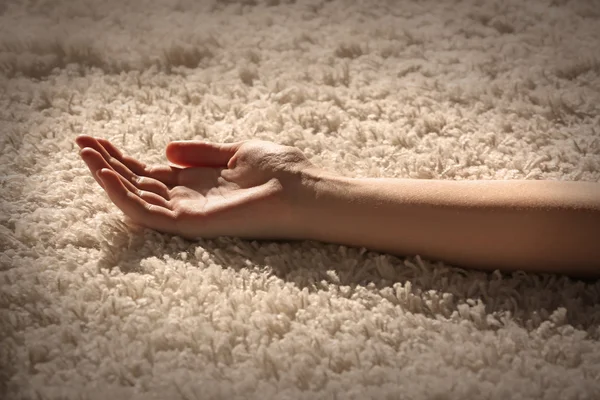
x=92 y=307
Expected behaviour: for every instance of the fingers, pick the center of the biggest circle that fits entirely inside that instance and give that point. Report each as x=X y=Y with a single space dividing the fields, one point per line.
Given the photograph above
x=156 y=193
x=201 y=154
x=137 y=208
x=131 y=163
x=129 y=168
x=162 y=173
x=93 y=163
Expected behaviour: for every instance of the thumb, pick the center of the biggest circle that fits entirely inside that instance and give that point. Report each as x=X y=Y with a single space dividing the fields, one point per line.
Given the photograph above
x=201 y=154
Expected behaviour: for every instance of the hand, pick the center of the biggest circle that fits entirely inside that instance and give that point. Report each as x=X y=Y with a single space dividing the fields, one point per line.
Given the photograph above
x=244 y=189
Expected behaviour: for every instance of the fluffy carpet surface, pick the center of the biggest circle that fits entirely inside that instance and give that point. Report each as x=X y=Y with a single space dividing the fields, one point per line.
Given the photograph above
x=94 y=308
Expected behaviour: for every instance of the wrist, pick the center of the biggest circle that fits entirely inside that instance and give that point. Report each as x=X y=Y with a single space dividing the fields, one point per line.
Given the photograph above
x=315 y=197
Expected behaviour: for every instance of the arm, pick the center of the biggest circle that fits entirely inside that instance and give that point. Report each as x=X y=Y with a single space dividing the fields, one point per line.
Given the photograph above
x=255 y=189
x=536 y=226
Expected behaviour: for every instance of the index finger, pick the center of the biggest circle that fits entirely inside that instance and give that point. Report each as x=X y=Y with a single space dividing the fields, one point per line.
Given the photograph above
x=164 y=173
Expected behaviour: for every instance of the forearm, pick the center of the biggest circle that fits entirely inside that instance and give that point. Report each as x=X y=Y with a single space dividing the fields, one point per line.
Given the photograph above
x=545 y=226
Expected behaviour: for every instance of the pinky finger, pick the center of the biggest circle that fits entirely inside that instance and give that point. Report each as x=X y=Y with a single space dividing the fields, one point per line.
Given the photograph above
x=138 y=209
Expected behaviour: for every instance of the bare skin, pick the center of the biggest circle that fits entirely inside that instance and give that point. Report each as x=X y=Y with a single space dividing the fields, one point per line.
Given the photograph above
x=209 y=190
x=262 y=190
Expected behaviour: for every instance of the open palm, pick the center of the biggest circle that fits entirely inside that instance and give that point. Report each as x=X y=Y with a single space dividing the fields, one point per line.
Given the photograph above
x=209 y=189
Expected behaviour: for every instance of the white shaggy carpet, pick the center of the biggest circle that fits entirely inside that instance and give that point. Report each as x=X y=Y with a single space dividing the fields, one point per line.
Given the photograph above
x=92 y=308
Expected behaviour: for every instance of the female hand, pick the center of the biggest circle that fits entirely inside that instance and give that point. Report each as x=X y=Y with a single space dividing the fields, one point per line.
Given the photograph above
x=246 y=189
